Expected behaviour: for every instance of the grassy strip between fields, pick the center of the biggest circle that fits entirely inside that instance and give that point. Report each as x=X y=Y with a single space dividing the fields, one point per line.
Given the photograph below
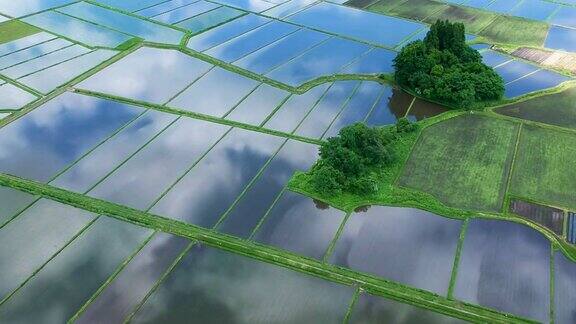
x=268 y=254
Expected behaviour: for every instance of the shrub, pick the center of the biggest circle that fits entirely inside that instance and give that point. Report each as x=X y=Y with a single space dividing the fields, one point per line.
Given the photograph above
x=327 y=180
x=403 y=125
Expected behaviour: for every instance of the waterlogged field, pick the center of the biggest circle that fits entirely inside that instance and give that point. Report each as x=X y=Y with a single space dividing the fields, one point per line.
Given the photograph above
x=147 y=148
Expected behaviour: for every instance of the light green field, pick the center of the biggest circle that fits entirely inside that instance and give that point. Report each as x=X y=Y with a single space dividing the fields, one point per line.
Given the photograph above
x=14 y=29
x=417 y=9
x=544 y=166
x=463 y=161
x=381 y=6
x=474 y=20
x=555 y=109
x=513 y=30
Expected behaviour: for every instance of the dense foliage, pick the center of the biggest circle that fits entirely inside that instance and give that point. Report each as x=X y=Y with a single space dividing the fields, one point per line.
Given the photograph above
x=443 y=67
x=347 y=161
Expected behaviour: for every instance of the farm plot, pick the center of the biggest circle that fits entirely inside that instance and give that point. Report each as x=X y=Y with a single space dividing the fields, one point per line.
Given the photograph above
x=142 y=179
x=422 y=109
x=148 y=74
x=516 y=31
x=521 y=78
x=130 y=5
x=564 y=289
x=542 y=167
x=13 y=97
x=213 y=286
x=392 y=105
x=205 y=192
x=210 y=19
x=14 y=29
x=364 y=26
x=561 y=38
x=571 y=230
x=124 y=23
x=58 y=133
x=12 y=202
x=463 y=161
x=43 y=63
x=299 y=224
x=549 y=217
x=493 y=272
x=417 y=9
x=36 y=234
x=404 y=245
x=106 y=157
x=474 y=20
x=79 y=30
x=555 y=109
x=537 y=81
x=288 y=53
x=124 y=293
x=249 y=208
x=360 y=105
x=26 y=7
x=65 y=283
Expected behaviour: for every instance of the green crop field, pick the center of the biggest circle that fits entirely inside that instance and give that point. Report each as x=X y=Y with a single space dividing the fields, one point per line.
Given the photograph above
x=380 y=6
x=463 y=161
x=474 y=19
x=513 y=30
x=556 y=109
x=417 y=9
x=14 y=29
x=544 y=166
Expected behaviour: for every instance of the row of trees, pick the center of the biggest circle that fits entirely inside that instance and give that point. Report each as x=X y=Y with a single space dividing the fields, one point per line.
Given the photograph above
x=443 y=67
x=348 y=161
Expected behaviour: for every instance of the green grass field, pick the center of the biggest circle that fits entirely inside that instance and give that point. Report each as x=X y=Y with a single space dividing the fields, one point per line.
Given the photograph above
x=14 y=29
x=382 y=6
x=474 y=20
x=514 y=30
x=555 y=109
x=544 y=167
x=417 y=9
x=463 y=161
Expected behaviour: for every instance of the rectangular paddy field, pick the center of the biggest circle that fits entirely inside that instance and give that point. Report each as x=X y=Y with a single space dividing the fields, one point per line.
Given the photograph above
x=542 y=167
x=463 y=161
x=557 y=109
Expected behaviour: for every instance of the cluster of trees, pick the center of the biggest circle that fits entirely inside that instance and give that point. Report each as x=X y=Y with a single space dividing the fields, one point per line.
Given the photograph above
x=444 y=68
x=347 y=161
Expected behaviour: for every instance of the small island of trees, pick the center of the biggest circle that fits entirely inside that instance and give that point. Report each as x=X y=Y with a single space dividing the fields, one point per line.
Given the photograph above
x=443 y=68
x=348 y=161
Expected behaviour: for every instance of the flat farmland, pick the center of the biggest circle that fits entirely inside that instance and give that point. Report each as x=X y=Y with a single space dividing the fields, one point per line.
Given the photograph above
x=543 y=167
x=516 y=30
x=463 y=161
x=557 y=109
